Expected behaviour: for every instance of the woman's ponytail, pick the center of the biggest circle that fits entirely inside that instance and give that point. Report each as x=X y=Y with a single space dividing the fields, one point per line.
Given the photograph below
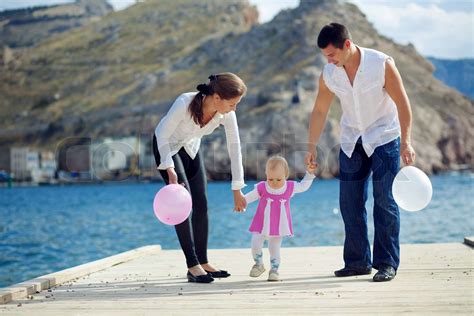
x=227 y=85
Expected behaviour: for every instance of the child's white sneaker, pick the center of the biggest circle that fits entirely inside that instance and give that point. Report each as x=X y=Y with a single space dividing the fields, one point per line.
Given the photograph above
x=273 y=275
x=257 y=270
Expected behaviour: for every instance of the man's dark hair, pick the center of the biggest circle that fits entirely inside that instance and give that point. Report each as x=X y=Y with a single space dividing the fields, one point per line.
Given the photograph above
x=333 y=33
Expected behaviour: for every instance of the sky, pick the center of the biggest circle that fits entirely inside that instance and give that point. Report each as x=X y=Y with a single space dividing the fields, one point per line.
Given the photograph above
x=427 y=24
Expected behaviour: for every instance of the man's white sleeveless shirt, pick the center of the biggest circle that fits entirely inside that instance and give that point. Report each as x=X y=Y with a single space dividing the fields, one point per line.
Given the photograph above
x=367 y=109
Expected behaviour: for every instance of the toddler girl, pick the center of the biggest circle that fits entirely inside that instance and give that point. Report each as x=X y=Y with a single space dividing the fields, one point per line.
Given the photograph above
x=272 y=220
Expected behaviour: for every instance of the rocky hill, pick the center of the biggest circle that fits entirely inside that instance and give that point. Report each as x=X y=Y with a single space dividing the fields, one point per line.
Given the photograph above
x=458 y=73
x=117 y=76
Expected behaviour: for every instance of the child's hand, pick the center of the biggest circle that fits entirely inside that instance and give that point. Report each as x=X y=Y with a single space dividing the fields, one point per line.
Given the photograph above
x=311 y=168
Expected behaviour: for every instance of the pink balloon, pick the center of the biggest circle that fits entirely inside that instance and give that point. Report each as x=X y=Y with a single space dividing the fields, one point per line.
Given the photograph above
x=172 y=204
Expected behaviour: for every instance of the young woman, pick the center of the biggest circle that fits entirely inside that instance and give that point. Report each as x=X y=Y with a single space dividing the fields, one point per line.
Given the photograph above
x=176 y=148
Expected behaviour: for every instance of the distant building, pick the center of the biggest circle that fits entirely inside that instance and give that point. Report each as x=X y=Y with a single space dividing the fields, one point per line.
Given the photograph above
x=47 y=168
x=28 y=164
x=22 y=161
x=147 y=163
x=115 y=159
x=74 y=159
x=79 y=159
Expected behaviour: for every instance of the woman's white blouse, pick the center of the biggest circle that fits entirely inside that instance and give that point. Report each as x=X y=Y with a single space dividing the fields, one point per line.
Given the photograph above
x=177 y=129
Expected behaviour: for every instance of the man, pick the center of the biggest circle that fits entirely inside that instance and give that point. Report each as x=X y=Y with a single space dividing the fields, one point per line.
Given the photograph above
x=375 y=132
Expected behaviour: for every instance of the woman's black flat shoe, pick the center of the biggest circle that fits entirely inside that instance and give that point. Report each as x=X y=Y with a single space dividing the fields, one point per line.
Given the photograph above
x=218 y=274
x=199 y=278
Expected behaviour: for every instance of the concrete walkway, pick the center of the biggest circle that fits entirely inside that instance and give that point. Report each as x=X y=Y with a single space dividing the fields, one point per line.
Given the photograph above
x=432 y=279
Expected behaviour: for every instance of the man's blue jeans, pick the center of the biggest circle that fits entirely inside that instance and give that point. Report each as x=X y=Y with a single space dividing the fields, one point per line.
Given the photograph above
x=384 y=164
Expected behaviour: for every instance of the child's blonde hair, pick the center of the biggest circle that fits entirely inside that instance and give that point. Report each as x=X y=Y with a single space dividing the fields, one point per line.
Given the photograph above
x=274 y=161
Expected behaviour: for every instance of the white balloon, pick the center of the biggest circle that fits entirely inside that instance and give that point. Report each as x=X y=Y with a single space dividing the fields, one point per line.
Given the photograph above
x=412 y=189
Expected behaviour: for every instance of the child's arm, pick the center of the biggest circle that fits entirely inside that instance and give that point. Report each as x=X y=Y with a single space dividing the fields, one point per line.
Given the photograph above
x=252 y=196
x=305 y=184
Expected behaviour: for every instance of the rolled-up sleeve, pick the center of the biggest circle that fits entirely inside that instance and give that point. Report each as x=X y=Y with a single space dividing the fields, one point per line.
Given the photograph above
x=165 y=129
x=235 y=151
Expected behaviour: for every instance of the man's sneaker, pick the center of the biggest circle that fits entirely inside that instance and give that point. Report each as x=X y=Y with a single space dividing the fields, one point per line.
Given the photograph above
x=347 y=271
x=385 y=273
x=273 y=275
x=257 y=270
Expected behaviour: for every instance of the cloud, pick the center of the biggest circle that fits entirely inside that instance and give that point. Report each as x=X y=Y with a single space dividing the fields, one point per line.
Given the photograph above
x=433 y=29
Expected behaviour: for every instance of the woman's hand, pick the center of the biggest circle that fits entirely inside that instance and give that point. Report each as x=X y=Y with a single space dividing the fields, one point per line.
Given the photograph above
x=172 y=176
x=239 y=201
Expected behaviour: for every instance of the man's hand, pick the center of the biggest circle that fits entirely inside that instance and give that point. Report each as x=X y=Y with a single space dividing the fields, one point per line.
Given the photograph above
x=311 y=168
x=310 y=159
x=407 y=153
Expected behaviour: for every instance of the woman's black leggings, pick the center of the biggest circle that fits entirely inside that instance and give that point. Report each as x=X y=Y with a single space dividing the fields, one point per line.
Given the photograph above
x=192 y=234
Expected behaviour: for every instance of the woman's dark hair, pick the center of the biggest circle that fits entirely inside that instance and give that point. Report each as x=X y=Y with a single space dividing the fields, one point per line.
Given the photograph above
x=333 y=33
x=227 y=85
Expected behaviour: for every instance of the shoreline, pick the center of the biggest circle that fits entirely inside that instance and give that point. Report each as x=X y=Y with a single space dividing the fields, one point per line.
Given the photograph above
x=24 y=184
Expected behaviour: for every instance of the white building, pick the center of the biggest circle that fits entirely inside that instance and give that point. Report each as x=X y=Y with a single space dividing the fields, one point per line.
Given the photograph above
x=28 y=164
x=47 y=167
x=22 y=161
